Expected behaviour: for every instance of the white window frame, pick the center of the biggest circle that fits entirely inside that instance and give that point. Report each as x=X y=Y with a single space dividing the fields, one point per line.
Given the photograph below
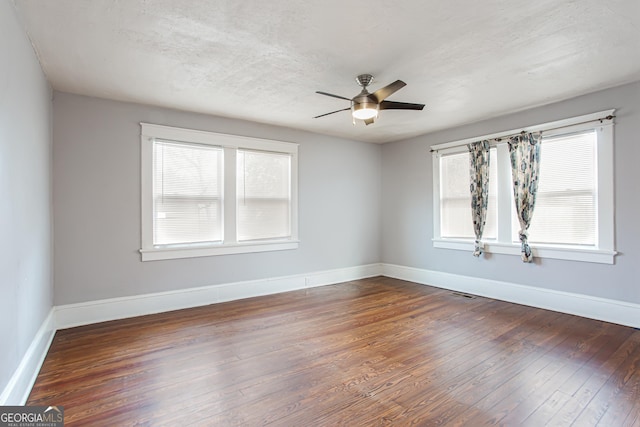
x=230 y=144
x=604 y=252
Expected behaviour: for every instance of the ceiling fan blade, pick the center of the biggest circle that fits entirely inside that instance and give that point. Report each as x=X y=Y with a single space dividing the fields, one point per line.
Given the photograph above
x=369 y=121
x=382 y=93
x=335 y=96
x=337 y=111
x=392 y=105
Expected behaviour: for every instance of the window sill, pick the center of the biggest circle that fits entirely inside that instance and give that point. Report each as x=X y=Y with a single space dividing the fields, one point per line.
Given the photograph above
x=539 y=251
x=160 y=253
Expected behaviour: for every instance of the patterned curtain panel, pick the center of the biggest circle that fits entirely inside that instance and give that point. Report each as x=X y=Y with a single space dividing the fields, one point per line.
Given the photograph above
x=525 y=168
x=479 y=172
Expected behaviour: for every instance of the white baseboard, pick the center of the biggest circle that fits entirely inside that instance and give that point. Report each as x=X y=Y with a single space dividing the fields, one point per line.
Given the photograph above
x=608 y=310
x=85 y=313
x=19 y=386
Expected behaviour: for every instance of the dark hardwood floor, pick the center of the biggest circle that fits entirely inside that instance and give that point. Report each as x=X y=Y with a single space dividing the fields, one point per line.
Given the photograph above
x=370 y=352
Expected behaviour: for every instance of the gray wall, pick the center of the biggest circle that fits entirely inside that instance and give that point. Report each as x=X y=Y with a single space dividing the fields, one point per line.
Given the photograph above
x=97 y=204
x=407 y=218
x=96 y=171
x=25 y=194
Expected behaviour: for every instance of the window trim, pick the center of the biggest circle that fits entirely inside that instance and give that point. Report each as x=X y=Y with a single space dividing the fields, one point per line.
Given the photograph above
x=229 y=144
x=603 y=253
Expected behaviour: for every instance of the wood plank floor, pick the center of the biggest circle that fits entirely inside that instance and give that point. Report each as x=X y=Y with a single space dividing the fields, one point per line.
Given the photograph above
x=371 y=352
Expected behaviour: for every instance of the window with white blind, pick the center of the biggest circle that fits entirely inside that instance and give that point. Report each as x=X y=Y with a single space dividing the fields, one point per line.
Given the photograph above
x=566 y=202
x=206 y=194
x=455 y=198
x=187 y=193
x=263 y=195
x=573 y=215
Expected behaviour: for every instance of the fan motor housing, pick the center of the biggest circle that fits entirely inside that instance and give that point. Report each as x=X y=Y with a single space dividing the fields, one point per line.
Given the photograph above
x=364 y=101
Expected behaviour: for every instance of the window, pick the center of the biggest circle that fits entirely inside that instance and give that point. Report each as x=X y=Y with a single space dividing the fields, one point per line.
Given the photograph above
x=264 y=202
x=566 y=202
x=187 y=193
x=455 y=198
x=573 y=216
x=211 y=194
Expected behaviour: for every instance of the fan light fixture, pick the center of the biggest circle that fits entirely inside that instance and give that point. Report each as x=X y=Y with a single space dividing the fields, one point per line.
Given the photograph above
x=364 y=111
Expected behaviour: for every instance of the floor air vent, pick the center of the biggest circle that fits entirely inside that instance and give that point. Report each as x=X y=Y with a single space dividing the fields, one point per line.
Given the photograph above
x=460 y=294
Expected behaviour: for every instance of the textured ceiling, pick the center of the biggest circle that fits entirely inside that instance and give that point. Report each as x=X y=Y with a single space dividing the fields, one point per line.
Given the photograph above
x=263 y=60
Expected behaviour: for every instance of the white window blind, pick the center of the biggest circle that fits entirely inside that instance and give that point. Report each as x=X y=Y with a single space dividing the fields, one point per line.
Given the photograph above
x=187 y=190
x=455 y=197
x=566 y=203
x=263 y=195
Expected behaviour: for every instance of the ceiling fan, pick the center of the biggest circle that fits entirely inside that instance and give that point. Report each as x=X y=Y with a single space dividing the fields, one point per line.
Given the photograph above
x=365 y=106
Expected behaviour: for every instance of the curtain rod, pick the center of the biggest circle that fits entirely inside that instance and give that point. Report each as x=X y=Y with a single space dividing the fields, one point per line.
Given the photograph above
x=500 y=138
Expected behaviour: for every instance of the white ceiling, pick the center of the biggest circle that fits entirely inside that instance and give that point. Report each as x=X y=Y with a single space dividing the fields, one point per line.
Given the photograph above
x=263 y=60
